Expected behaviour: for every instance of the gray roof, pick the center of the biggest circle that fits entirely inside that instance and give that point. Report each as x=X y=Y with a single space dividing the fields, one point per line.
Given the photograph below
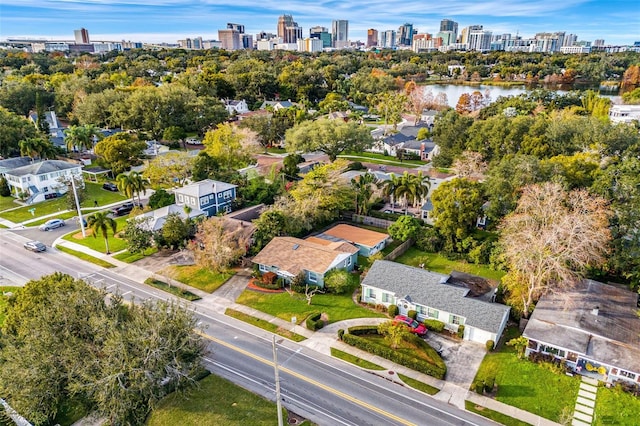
x=426 y=145
x=42 y=167
x=430 y=289
x=350 y=174
x=397 y=138
x=413 y=130
x=568 y=321
x=159 y=216
x=12 y=163
x=204 y=187
x=427 y=206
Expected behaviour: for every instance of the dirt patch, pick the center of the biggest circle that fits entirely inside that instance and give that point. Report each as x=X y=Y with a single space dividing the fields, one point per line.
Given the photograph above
x=477 y=286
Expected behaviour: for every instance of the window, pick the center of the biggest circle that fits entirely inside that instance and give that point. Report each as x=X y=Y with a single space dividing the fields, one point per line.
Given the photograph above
x=262 y=268
x=43 y=178
x=371 y=293
x=312 y=277
x=432 y=313
x=180 y=198
x=347 y=262
x=454 y=319
x=387 y=298
x=227 y=195
x=627 y=374
x=553 y=351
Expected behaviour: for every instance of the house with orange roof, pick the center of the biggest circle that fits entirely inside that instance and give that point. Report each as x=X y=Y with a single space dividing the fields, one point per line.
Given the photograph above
x=368 y=242
x=288 y=256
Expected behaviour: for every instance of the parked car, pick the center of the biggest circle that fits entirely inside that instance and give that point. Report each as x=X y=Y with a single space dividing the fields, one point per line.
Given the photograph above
x=110 y=186
x=84 y=221
x=52 y=224
x=123 y=209
x=414 y=326
x=35 y=246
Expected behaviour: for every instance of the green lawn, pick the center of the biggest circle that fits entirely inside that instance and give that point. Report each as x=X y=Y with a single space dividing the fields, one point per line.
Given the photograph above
x=417 y=384
x=616 y=407
x=503 y=419
x=275 y=150
x=265 y=325
x=116 y=244
x=283 y=305
x=529 y=386
x=128 y=257
x=437 y=263
x=387 y=159
x=362 y=363
x=94 y=192
x=3 y=300
x=200 y=278
x=161 y=285
x=85 y=256
x=215 y=401
x=7 y=203
x=357 y=157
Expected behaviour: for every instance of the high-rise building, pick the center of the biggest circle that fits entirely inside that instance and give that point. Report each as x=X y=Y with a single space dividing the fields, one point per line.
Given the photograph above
x=263 y=35
x=81 y=36
x=447 y=37
x=405 y=35
x=310 y=45
x=321 y=33
x=387 y=39
x=549 y=42
x=422 y=43
x=464 y=35
x=238 y=27
x=598 y=42
x=372 y=37
x=479 y=40
x=340 y=33
x=288 y=29
x=230 y=39
x=449 y=25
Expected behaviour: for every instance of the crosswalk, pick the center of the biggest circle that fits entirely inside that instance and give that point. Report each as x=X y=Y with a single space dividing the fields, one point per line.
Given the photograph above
x=585 y=403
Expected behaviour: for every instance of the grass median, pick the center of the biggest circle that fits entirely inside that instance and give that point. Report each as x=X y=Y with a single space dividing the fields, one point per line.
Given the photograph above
x=265 y=325
x=176 y=291
x=362 y=363
x=85 y=256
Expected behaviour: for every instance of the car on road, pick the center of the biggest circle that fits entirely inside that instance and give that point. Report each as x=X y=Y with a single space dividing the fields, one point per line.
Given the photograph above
x=52 y=224
x=35 y=246
x=414 y=326
x=123 y=209
x=110 y=186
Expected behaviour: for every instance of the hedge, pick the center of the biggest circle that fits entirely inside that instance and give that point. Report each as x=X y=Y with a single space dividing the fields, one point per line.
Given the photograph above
x=359 y=330
x=434 y=325
x=412 y=314
x=393 y=310
x=438 y=369
x=314 y=322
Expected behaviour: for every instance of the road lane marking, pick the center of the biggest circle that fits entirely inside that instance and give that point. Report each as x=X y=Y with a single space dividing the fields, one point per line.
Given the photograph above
x=310 y=381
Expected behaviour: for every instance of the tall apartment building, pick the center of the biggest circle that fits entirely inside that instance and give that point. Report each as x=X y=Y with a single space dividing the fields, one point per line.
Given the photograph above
x=464 y=35
x=387 y=39
x=310 y=45
x=230 y=39
x=405 y=35
x=238 y=27
x=449 y=25
x=372 y=37
x=81 y=36
x=423 y=43
x=321 y=33
x=598 y=42
x=448 y=37
x=340 y=33
x=191 y=43
x=288 y=29
x=549 y=42
x=479 y=40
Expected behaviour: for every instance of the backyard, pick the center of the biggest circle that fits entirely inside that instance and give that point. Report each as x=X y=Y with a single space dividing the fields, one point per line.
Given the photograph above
x=337 y=307
x=438 y=263
x=532 y=387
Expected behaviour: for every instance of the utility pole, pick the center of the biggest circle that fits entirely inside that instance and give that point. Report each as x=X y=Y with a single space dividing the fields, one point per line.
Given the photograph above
x=75 y=194
x=275 y=369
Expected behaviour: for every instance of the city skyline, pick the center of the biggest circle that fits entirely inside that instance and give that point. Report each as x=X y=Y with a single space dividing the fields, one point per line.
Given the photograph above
x=615 y=21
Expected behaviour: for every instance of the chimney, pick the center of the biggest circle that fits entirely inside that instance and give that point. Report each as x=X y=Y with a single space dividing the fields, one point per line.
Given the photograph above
x=595 y=311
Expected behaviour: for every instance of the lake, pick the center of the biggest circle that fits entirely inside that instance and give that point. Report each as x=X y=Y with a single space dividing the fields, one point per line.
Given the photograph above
x=454 y=91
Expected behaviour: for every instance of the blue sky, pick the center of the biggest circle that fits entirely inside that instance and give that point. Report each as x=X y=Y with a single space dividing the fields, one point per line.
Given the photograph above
x=615 y=21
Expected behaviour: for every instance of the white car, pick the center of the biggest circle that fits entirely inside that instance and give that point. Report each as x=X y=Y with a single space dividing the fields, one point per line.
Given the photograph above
x=35 y=246
x=52 y=224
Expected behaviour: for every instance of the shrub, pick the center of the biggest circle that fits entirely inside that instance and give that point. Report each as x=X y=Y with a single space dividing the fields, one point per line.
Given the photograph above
x=356 y=165
x=429 y=240
x=337 y=281
x=5 y=191
x=404 y=228
x=478 y=386
x=298 y=283
x=269 y=278
x=434 y=325
x=461 y=331
x=489 y=382
x=340 y=333
x=412 y=314
x=489 y=345
x=314 y=322
x=393 y=310
x=359 y=330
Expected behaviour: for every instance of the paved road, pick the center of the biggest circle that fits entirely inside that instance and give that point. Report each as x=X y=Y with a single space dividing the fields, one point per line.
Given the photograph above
x=316 y=386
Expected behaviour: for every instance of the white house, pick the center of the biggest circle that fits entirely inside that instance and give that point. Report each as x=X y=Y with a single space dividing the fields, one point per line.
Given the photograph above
x=236 y=107
x=428 y=293
x=210 y=196
x=624 y=113
x=41 y=180
x=155 y=219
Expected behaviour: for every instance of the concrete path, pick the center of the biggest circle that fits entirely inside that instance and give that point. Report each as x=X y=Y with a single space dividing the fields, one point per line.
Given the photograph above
x=586 y=402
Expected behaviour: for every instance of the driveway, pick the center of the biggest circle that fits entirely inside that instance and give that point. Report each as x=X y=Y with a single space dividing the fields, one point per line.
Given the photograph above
x=47 y=237
x=463 y=358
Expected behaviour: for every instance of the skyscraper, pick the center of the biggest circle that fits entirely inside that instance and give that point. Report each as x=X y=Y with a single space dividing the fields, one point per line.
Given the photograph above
x=372 y=37
x=230 y=39
x=81 y=36
x=340 y=33
x=288 y=29
x=321 y=33
x=405 y=35
x=464 y=37
x=238 y=27
x=479 y=40
x=387 y=39
x=449 y=25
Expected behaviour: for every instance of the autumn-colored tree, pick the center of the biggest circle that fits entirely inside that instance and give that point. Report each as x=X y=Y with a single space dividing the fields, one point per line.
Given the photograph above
x=470 y=164
x=170 y=169
x=219 y=243
x=231 y=146
x=631 y=76
x=464 y=104
x=419 y=98
x=550 y=239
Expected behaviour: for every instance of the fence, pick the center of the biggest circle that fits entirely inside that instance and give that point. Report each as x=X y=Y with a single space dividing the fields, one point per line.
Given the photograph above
x=400 y=250
x=371 y=221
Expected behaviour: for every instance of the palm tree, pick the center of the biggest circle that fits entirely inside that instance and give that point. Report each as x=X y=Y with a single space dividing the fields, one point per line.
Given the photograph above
x=81 y=137
x=100 y=221
x=36 y=147
x=389 y=188
x=362 y=186
x=131 y=184
x=139 y=184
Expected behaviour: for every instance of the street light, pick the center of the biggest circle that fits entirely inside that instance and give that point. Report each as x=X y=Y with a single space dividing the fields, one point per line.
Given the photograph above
x=275 y=369
x=75 y=195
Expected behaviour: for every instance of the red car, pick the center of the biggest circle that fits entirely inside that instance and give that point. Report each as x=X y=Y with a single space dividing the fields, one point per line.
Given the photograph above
x=414 y=326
